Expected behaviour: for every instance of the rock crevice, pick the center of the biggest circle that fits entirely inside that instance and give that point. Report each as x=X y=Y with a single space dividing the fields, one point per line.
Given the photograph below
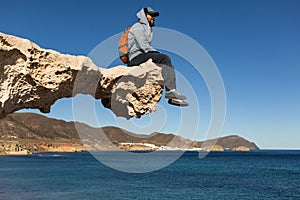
x=33 y=77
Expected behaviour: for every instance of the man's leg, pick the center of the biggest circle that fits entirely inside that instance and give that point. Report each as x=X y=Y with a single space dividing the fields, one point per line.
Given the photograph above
x=161 y=60
x=168 y=74
x=168 y=71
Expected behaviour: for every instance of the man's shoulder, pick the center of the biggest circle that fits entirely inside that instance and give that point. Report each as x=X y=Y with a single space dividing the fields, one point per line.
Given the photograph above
x=136 y=25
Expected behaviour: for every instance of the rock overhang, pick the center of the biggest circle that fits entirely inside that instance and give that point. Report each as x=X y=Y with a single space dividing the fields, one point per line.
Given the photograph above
x=33 y=77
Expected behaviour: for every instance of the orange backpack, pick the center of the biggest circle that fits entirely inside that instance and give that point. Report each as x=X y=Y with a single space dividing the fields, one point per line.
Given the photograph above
x=123 y=46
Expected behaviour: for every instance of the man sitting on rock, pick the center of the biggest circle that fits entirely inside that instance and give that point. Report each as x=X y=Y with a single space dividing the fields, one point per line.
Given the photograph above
x=140 y=50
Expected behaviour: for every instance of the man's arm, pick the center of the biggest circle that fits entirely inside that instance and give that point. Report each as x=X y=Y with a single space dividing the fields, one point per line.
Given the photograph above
x=143 y=40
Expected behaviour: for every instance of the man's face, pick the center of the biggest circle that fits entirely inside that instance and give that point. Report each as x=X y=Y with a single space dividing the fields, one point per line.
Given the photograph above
x=151 y=19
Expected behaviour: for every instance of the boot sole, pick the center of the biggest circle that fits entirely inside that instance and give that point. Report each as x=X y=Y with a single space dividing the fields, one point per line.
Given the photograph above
x=170 y=97
x=177 y=103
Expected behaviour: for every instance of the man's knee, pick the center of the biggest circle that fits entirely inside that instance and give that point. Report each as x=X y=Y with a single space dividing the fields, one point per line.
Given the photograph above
x=164 y=59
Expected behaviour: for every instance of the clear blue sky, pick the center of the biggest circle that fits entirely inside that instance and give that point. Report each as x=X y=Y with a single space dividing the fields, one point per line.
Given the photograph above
x=254 y=43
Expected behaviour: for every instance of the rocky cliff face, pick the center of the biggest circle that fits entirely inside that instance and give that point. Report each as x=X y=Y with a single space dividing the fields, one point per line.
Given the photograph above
x=32 y=77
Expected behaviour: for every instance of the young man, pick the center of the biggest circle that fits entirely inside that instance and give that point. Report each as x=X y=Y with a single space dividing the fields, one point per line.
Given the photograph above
x=140 y=50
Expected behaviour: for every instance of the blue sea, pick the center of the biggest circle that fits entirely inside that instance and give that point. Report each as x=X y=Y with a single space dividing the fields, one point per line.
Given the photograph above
x=262 y=174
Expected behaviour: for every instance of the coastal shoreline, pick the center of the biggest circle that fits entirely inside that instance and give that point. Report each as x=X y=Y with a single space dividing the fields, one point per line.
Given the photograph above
x=20 y=146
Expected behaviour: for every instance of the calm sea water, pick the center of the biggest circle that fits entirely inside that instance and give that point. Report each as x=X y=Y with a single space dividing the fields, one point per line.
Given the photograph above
x=224 y=175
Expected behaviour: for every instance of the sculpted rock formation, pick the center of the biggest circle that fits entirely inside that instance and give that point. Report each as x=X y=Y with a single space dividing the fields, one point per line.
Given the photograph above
x=32 y=77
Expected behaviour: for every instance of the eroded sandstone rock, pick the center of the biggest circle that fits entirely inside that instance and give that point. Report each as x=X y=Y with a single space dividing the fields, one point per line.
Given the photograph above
x=32 y=77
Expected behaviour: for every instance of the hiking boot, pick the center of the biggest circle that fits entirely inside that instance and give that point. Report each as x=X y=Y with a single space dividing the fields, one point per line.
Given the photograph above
x=174 y=94
x=178 y=102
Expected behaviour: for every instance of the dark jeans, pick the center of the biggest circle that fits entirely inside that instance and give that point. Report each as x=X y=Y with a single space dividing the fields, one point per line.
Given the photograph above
x=162 y=61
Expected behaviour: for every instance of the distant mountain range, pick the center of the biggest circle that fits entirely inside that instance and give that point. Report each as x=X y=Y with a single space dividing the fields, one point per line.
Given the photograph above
x=36 y=132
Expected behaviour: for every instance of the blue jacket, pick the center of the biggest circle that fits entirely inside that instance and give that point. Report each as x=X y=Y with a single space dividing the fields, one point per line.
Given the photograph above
x=140 y=36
